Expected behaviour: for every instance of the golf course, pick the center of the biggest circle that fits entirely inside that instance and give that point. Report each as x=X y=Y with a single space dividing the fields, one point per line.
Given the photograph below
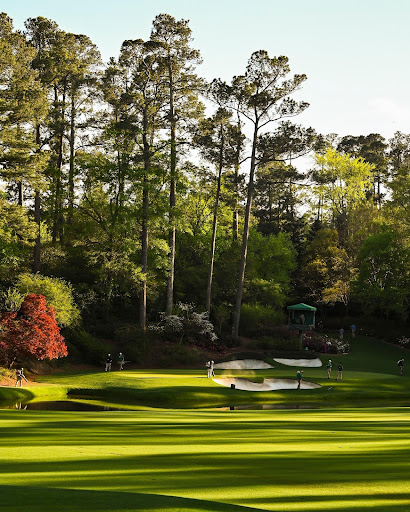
x=178 y=441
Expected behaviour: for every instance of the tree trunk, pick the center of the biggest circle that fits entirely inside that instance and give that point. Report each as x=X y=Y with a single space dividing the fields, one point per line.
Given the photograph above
x=37 y=218
x=237 y=311
x=172 y=199
x=214 y=227
x=144 y=233
x=20 y=192
x=71 y=169
x=235 y=221
x=58 y=220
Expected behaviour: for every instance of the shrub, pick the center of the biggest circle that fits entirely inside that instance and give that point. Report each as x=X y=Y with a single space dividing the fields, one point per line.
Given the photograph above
x=133 y=341
x=187 y=326
x=57 y=292
x=256 y=317
x=93 y=349
x=324 y=344
x=270 y=343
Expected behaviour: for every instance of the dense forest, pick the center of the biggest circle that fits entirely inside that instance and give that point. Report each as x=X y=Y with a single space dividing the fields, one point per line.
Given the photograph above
x=135 y=194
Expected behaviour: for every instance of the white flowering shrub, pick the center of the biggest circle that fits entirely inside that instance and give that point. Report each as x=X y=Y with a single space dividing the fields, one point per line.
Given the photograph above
x=187 y=325
x=403 y=342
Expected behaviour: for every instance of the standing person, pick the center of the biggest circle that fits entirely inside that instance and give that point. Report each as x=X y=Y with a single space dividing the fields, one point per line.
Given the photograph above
x=339 y=371
x=299 y=376
x=212 y=369
x=353 y=329
x=208 y=366
x=19 y=377
x=329 y=368
x=108 y=363
x=400 y=364
x=121 y=360
x=341 y=332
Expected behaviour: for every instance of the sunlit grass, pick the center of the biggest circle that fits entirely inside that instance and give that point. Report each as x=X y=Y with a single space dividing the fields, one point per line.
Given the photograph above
x=267 y=460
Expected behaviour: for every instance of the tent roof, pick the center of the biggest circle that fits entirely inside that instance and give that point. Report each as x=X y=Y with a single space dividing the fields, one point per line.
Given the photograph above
x=301 y=307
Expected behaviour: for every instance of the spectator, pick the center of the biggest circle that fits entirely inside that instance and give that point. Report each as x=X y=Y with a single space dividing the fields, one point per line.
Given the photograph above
x=108 y=363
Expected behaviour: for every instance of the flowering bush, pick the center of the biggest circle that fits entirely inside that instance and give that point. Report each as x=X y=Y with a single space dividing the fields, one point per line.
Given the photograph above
x=324 y=344
x=403 y=341
x=188 y=326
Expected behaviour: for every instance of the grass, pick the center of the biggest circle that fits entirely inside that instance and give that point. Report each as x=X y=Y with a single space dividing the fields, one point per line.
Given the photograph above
x=370 y=378
x=205 y=460
x=332 y=459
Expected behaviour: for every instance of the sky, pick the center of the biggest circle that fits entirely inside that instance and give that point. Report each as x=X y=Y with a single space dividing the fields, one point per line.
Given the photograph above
x=355 y=53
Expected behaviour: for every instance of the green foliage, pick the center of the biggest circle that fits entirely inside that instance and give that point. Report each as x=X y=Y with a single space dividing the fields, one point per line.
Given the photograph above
x=258 y=316
x=383 y=282
x=93 y=349
x=57 y=292
x=132 y=341
x=277 y=344
x=271 y=262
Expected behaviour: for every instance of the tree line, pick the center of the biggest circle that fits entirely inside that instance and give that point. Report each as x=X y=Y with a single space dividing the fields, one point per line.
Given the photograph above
x=143 y=185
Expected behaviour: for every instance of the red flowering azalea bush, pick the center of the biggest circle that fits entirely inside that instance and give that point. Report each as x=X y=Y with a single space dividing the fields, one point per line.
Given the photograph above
x=31 y=332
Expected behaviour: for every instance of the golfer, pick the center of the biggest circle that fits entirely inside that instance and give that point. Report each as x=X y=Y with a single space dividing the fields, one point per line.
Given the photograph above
x=212 y=368
x=299 y=376
x=329 y=368
x=108 y=363
x=19 y=377
x=400 y=364
x=121 y=360
x=339 y=371
x=208 y=366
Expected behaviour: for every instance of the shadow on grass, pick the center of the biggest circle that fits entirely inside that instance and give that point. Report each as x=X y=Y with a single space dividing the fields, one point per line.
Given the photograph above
x=44 y=499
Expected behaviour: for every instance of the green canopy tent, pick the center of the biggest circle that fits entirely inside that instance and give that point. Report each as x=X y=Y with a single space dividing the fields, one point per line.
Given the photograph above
x=301 y=318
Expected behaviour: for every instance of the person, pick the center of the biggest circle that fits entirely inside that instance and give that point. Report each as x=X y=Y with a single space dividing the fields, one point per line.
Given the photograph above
x=329 y=368
x=400 y=364
x=302 y=318
x=19 y=377
x=341 y=332
x=108 y=363
x=121 y=360
x=339 y=371
x=299 y=376
x=353 y=329
x=208 y=365
x=212 y=369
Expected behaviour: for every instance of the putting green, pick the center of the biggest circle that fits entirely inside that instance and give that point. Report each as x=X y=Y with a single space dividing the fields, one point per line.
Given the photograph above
x=355 y=460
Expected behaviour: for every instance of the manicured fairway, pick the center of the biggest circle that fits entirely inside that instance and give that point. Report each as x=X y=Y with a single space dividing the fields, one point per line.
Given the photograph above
x=305 y=460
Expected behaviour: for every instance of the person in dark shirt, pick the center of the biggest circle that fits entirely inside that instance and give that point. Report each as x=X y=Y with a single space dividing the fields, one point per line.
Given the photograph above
x=299 y=376
x=108 y=363
x=339 y=371
x=400 y=364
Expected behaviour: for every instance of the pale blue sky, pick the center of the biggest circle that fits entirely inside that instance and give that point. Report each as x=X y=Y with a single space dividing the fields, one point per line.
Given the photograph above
x=356 y=53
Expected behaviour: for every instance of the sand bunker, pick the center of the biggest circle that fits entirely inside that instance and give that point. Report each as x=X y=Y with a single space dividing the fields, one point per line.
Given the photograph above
x=307 y=363
x=266 y=385
x=243 y=364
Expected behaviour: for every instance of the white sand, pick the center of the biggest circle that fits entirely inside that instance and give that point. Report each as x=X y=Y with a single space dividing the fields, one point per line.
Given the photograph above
x=266 y=385
x=307 y=363
x=243 y=364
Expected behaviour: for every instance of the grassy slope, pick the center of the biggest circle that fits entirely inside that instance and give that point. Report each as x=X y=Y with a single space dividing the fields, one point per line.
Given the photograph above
x=167 y=460
x=370 y=377
x=355 y=460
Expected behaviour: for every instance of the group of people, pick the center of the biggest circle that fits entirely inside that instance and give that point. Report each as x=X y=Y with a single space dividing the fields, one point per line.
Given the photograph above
x=352 y=329
x=210 y=367
x=108 y=362
x=329 y=366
